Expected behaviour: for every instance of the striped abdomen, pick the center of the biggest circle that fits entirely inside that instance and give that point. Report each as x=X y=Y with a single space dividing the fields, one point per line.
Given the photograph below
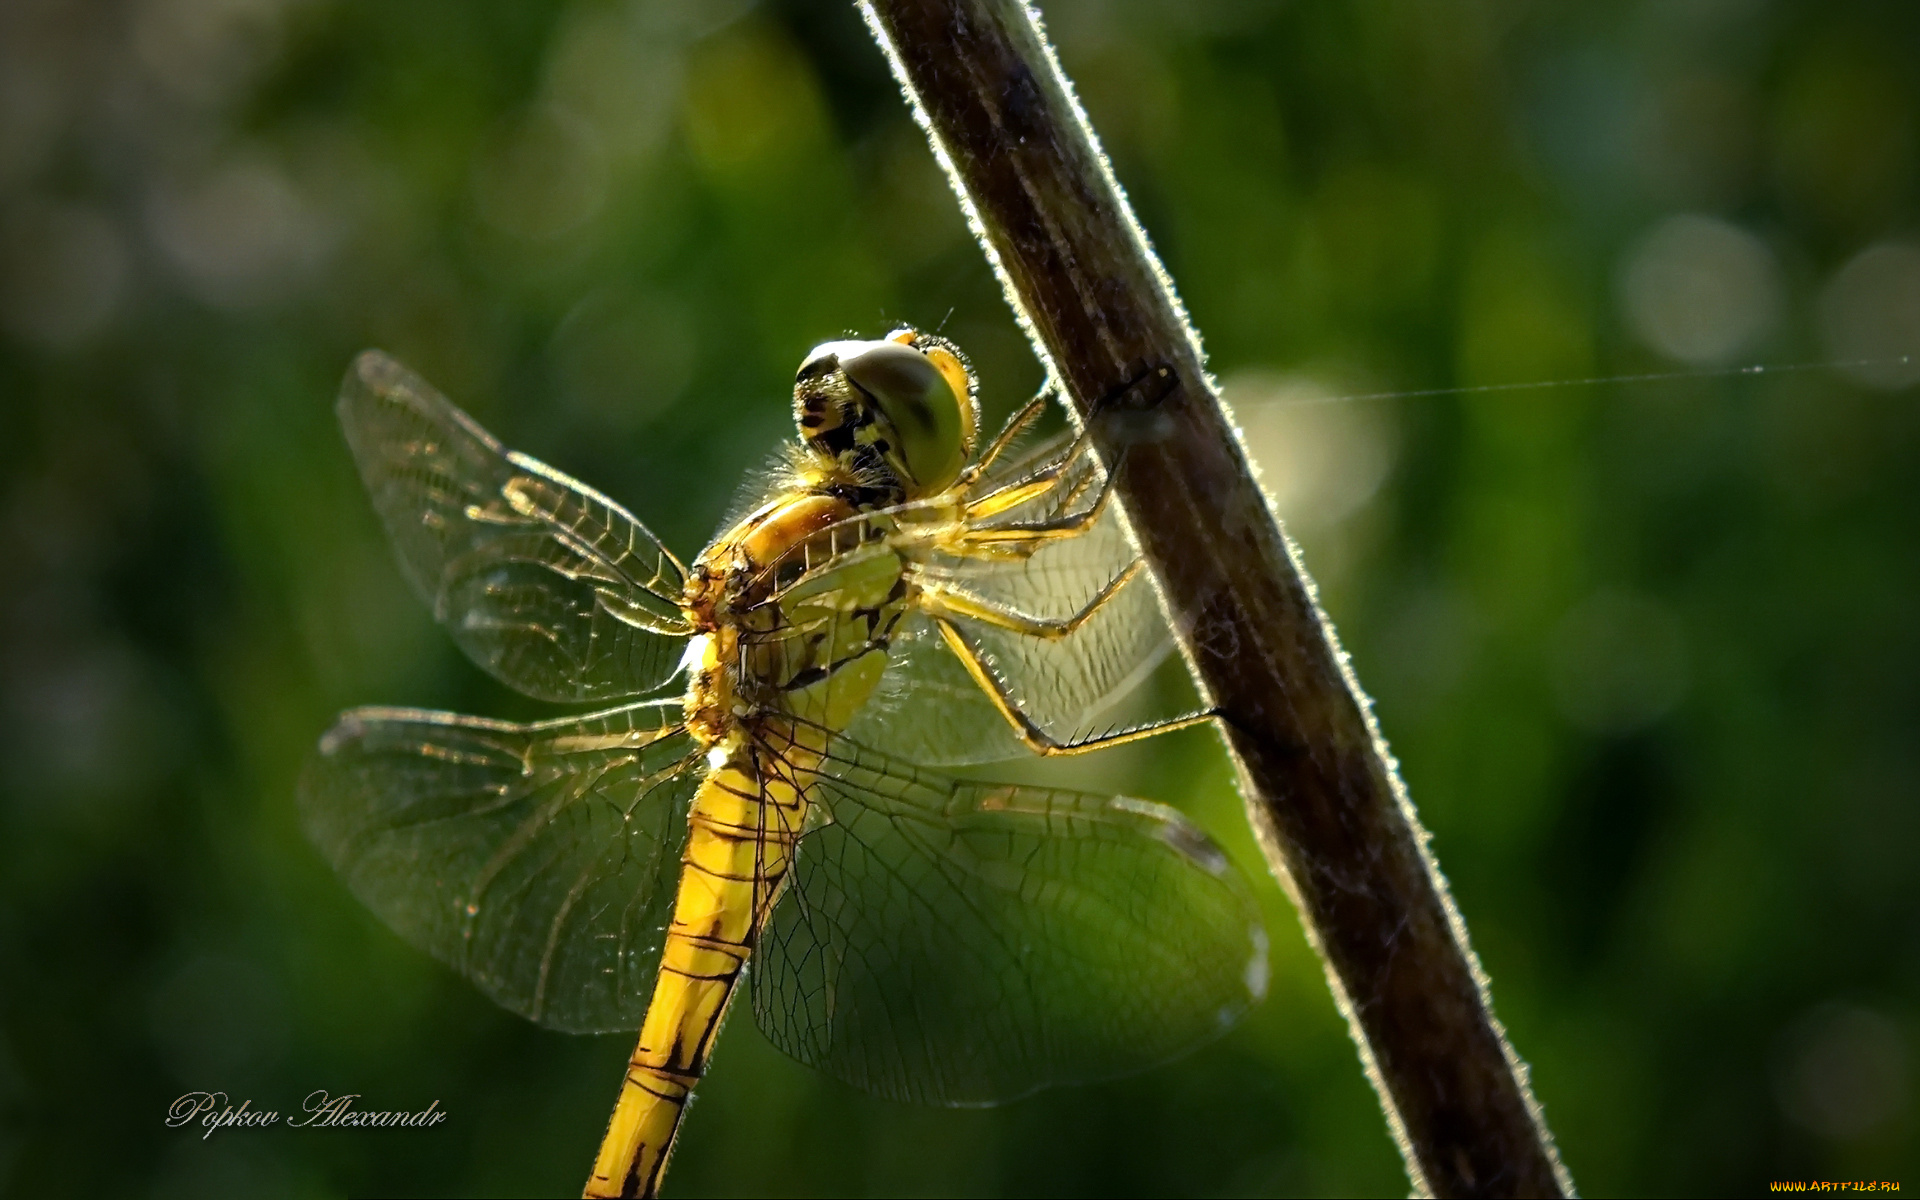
x=799 y=664
x=740 y=845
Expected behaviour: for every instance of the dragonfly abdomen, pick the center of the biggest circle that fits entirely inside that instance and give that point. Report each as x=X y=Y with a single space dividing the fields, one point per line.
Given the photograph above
x=786 y=664
x=743 y=824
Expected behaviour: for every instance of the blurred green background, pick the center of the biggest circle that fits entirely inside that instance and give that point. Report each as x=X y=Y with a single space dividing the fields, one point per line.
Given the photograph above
x=1647 y=651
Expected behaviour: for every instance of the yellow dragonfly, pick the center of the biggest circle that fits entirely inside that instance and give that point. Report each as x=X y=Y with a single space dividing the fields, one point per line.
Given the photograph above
x=759 y=782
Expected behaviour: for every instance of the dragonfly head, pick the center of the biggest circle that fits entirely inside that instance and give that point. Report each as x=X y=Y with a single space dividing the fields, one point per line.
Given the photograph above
x=898 y=414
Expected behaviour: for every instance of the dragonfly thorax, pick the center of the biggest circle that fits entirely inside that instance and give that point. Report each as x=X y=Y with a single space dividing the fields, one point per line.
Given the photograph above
x=885 y=421
x=711 y=699
x=746 y=565
x=791 y=626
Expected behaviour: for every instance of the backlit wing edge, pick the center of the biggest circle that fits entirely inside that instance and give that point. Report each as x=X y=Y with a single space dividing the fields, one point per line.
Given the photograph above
x=547 y=584
x=537 y=860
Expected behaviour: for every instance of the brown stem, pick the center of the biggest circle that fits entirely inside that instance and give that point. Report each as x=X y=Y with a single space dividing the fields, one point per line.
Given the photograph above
x=1332 y=816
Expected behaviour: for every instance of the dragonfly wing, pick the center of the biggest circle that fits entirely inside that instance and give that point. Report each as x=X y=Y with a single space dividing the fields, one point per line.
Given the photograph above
x=963 y=943
x=928 y=710
x=1069 y=685
x=537 y=860
x=544 y=582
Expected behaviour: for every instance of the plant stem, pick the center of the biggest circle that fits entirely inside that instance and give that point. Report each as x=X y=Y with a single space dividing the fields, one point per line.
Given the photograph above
x=1332 y=816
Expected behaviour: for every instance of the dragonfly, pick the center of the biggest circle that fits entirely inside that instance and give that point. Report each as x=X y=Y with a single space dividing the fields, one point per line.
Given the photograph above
x=762 y=774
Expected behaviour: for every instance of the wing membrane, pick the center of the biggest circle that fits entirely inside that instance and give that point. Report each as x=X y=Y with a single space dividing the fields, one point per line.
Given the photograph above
x=537 y=860
x=964 y=943
x=928 y=710
x=544 y=582
x=1067 y=686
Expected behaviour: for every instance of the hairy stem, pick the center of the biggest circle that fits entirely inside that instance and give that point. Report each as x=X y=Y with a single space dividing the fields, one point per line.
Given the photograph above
x=1322 y=792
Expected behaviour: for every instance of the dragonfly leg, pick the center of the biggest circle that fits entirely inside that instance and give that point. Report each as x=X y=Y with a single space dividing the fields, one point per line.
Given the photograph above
x=1037 y=739
x=1029 y=487
x=943 y=600
x=1023 y=538
x=1016 y=424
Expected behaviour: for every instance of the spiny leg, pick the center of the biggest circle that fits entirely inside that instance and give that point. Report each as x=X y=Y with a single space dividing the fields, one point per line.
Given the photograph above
x=1032 y=486
x=1016 y=424
x=1037 y=739
x=944 y=600
x=1038 y=483
x=1021 y=539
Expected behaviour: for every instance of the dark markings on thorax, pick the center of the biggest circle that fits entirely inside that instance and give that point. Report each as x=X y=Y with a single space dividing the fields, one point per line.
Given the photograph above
x=881 y=620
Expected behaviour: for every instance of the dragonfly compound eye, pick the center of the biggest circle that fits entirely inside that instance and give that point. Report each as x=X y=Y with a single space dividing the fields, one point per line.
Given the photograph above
x=911 y=406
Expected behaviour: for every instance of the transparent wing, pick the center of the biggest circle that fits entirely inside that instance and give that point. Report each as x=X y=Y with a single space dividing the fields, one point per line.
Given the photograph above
x=537 y=860
x=1068 y=686
x=544 y=582
x=928 y=710
x=965 y=943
